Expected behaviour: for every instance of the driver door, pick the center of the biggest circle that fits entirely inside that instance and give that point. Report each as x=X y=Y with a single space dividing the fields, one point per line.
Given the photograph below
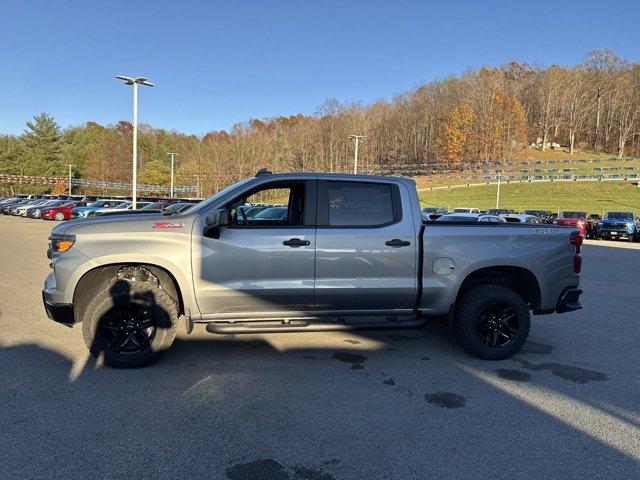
x=263 y=263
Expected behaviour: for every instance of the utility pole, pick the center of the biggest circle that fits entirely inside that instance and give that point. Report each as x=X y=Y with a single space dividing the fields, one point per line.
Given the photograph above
x=135 y=81
x=498 y=194
x=357 y=138
x=172 y=155
x=70 y=177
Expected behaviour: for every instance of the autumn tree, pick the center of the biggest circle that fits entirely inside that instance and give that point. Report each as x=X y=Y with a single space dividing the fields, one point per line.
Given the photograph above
x=456 y=130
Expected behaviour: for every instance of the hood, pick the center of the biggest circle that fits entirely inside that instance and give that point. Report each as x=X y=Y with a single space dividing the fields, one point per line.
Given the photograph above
x=119 y=223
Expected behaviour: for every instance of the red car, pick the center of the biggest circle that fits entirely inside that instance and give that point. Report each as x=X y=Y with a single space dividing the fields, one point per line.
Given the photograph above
x=574 y=219
x=61 y=212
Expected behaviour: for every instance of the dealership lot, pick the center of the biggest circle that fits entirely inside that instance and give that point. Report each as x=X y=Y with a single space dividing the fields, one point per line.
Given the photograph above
x=395 y=404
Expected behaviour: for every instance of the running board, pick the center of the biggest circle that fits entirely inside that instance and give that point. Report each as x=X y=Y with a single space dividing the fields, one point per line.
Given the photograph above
x=316 y=324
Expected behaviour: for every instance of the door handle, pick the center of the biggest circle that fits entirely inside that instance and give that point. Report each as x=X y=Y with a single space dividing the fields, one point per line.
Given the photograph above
x=396 y=242
x=296 y=242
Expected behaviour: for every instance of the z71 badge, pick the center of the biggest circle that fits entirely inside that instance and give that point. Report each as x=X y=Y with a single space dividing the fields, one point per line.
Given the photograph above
x=168 y=225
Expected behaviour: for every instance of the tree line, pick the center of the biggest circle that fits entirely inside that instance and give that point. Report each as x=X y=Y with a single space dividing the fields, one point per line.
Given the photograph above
x=485 y=114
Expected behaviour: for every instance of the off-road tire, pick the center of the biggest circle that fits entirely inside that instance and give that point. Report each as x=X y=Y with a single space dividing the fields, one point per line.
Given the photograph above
x=468 y=309
x=146 y=294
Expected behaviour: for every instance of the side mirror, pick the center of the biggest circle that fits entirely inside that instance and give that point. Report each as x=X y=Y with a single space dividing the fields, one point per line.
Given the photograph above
x=215 y=220
x=218 y=218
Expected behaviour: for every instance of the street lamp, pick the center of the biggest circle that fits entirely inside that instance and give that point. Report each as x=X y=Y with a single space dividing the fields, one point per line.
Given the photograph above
x=70 y=166
x=135 y=82
x=355 y=158
x=172 y=155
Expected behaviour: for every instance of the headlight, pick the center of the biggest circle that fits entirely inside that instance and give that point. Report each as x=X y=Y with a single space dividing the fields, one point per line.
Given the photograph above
x=61 y=243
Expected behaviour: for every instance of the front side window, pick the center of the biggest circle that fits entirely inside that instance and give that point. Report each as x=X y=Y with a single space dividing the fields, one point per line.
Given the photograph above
x=271 y=205
x=360 y=204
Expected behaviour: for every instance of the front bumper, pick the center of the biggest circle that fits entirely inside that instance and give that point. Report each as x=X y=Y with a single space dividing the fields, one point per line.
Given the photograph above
x=61 y=313
x=614 y=233
x=569 y=301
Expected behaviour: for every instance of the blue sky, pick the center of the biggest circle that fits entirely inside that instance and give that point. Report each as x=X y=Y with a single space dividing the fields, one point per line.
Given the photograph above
x=218 y=63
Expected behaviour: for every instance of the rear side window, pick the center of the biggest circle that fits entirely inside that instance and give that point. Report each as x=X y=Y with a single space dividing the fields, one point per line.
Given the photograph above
x=361 y=204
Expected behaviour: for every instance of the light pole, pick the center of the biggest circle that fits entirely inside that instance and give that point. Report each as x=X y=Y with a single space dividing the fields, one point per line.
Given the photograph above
x=70 y=177
x=172 y=155
x=498 y=194
x=135 y=81
x=355 y=158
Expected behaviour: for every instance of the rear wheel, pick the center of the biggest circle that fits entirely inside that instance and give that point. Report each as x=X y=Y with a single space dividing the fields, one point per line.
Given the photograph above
x=130 y=323
x=491 y=322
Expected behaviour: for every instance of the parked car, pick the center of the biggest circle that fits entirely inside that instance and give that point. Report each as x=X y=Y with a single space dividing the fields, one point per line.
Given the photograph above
x=433 y=213
x=157 y=205
x=499 y=211
x=619 y=225
x=7 y=207
x=120 y=208
x=470 y=218
x=573 y=219
x=313 y=267
x=21 y=210
x=592 y=225
x=544 y=215
x=84 y=212
x=178 y=207
x=465 y=210
x=522 y=218
x=62 y=212
x=35 y=211
x=268 y=215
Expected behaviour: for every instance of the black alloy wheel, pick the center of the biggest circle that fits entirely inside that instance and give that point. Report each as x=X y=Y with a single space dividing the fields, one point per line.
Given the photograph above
x=127 y=328
x=497 y=325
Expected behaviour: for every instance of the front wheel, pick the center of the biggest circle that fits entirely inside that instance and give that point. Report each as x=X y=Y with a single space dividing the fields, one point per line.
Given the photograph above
x=59 y=216
x=130 y=323
x=491 y=322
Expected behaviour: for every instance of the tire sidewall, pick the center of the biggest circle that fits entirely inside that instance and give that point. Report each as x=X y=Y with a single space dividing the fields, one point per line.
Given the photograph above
x=163 y=311
x=466 y=322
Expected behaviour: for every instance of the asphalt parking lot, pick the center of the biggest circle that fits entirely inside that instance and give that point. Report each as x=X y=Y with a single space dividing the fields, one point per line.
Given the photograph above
x=384 y=405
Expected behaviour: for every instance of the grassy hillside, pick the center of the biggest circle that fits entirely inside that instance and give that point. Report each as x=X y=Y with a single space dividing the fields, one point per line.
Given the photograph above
x=594 y=197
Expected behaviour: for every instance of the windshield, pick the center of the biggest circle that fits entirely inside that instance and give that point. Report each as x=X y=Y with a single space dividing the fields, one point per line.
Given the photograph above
x=580 y=215
x=461 y=210
x=627 y=216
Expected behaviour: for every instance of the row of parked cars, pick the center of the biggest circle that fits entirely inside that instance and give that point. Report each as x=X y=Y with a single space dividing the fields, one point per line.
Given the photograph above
x=611 y=226
x=66 y=207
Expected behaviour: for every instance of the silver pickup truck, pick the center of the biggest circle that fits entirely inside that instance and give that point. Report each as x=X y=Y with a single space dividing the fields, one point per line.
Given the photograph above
x=305 y=252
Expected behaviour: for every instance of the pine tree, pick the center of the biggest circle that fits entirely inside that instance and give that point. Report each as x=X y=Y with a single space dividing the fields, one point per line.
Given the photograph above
x=42 y=138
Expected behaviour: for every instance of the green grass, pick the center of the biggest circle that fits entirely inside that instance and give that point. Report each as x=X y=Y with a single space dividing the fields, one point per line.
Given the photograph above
x=593 y=197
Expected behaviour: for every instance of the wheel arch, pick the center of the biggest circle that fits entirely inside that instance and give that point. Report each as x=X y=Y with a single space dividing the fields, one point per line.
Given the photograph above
x=101 y=277
x=519 y=279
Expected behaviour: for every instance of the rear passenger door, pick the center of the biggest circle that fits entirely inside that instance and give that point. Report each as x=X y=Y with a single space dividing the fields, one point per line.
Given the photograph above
x=366 y=256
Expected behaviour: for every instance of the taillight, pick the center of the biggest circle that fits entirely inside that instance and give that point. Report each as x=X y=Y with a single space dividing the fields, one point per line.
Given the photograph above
x=576 y=239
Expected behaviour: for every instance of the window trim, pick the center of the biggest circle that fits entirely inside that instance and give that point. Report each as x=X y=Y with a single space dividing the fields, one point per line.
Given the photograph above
x=308 y=215
x=323 y=204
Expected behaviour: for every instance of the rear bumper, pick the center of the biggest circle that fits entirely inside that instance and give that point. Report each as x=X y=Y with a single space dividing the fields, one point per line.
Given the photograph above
x=569 y=301
x=61 y=313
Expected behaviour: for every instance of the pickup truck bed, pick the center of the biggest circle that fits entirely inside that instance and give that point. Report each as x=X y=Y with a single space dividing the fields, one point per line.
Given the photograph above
x=328 y=252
